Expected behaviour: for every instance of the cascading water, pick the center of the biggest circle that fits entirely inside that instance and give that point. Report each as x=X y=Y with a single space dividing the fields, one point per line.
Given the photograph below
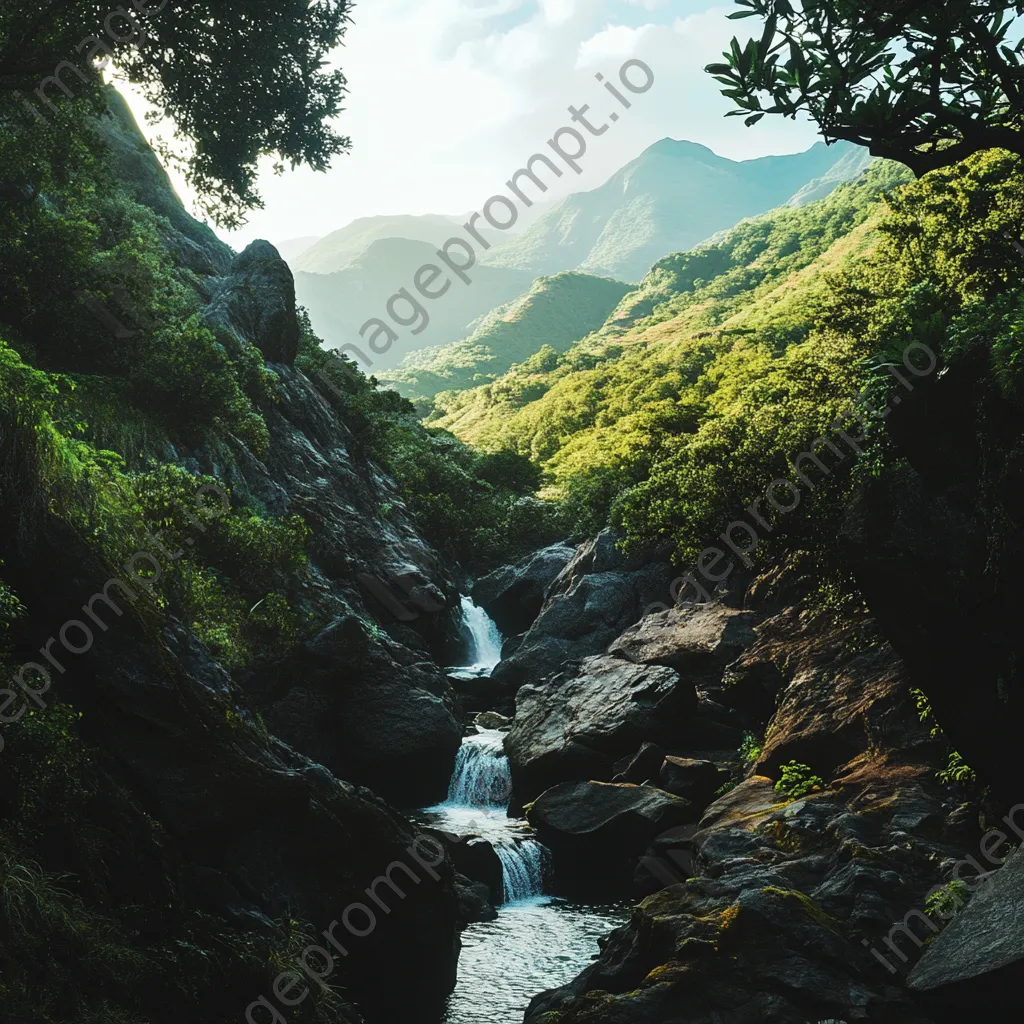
x=482 y=638
x=536 y=942
x=481 y=777
x=478 y=797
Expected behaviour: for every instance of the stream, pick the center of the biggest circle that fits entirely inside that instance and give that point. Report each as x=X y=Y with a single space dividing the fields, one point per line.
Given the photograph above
x=538 y=941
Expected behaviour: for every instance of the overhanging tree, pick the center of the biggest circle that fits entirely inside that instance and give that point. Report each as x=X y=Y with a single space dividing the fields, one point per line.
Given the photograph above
x=924 y=83
x=240 y=79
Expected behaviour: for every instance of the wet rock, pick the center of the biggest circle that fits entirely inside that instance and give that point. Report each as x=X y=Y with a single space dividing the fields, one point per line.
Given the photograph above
x=578 y=726
x=474 y=901
x=513 y=595
x=596 y=831
x=594 y=598
x=480 y=694
x=475 y=858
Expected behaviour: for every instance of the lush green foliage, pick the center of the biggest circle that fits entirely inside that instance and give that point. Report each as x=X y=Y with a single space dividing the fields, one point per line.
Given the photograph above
x=956 y=770
x=923 y=83
x=729 y=361
x=797 y=780
x=553 y=314
x=703 y=381
x=200 y=65
x=750 y=750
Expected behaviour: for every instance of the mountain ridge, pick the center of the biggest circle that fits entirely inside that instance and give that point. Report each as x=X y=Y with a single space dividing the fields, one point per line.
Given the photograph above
x=670 y=198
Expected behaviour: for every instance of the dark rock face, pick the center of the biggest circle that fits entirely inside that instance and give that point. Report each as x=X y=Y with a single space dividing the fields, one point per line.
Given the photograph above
x=691 y=778
x=597 y=830
x=698 y=642
x=577 y=727
x=367 y=702
x=514 y=594
x=937 y=547
x=257 y=301
x=977 y=962
x=770 y=908
x=592 y=600
x=848 y=691
x=368 y=714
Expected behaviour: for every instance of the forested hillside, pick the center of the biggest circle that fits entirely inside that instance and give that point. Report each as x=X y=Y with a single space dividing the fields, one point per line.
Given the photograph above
x=662 y=664
x=678 y=370
x=175 y=442
x=538 y=325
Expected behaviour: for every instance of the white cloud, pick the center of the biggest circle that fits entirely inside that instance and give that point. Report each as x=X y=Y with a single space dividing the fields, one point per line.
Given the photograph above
x=449 y=97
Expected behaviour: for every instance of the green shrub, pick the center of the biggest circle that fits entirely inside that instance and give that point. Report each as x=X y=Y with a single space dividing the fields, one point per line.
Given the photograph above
x=956 y=771
x=797 y=780
x=948 y=901
x=750 y=750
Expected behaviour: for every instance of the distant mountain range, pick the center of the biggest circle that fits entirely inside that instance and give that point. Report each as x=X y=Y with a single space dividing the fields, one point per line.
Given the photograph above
x=671 y=197
x=553 y=314
x=290 y=248
x=339 y=248
x=340 y=303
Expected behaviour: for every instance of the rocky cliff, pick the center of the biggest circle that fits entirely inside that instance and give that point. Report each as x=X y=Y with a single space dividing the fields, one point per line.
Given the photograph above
x=204 y=816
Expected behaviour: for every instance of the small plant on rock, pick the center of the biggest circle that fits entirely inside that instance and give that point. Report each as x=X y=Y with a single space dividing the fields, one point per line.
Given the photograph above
x=948 y=901
x=797 y=780
x=956 y=770
x=750 y=749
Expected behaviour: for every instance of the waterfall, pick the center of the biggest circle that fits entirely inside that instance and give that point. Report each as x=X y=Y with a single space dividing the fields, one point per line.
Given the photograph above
x=522 y=869
x=481 y=777
x=482 y=782
x=483 y=640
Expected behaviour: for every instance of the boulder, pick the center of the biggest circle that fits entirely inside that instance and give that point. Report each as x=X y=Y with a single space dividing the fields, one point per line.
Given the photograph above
x=596 y=831
x=479 y=694
x=346 y=700
x=513 y=595
x=492 y=720
x=476 y=858
x=691 y=778
x=641 y=766
x=578 y=726
x=846 y=692
x=977 y=961
x=592 y=600
x=698 y=642
x=473 y=901
x=256 y=301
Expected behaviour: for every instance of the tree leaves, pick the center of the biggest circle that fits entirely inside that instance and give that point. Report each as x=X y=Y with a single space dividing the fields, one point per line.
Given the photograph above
x=925 y=84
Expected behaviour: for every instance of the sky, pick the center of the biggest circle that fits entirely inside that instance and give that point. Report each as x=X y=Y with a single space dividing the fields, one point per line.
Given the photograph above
x=447 y=98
